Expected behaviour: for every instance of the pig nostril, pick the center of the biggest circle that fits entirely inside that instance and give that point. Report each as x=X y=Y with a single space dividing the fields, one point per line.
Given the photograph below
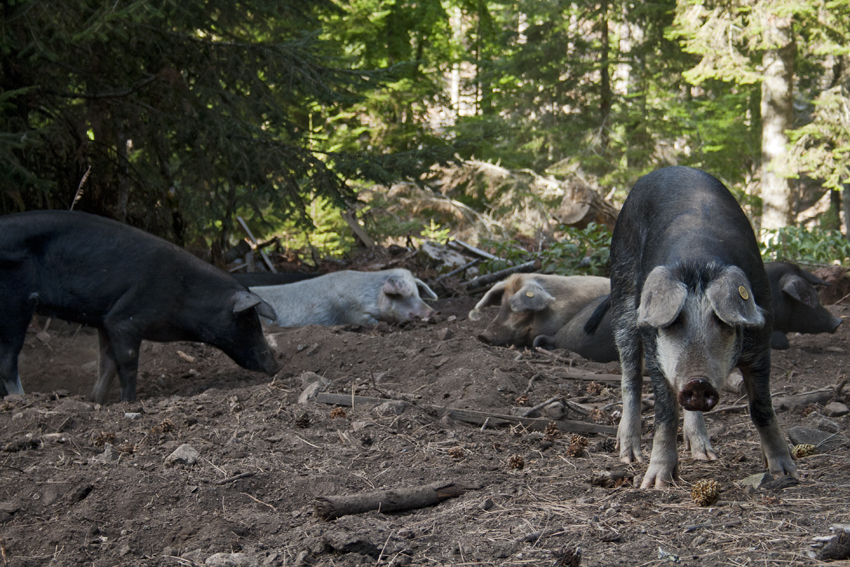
x=484 y=339
x=698 y=395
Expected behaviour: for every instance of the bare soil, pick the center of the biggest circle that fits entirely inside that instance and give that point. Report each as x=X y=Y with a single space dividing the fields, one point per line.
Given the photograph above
x=82 y=484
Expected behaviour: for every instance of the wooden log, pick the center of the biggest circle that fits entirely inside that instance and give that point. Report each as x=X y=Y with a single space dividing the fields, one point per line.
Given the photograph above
x=253 y=243
x=472 y=249
x=535 y=424
x=331 y=507
x=476 y=417
x=350 y=218
x=582 y=205
x=531 y=266
x=459 y=270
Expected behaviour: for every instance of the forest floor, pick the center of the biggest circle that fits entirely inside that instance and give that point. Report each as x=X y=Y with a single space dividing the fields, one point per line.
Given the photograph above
x=84 y=484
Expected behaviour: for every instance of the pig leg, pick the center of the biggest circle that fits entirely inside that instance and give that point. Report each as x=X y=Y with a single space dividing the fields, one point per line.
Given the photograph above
x=773 y=446
x=628 y=432
x=664 y=460
x=12 y=334
x=107 y=368
x=119 y=354
x=696 y=437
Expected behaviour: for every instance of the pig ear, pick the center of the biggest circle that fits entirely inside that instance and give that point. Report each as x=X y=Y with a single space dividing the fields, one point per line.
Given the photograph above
x=492 y=297
x=799 y=289
x=732 y=299
x=244 y=300
x=662 y=298
x=424 y=289
x=530 y=297
x=397 y=286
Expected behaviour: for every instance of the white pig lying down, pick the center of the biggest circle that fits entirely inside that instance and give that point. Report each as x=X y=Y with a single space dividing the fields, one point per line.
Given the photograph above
x=348 y=298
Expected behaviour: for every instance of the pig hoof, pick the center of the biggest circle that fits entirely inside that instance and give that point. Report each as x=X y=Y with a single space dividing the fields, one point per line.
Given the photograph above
x=656 y=477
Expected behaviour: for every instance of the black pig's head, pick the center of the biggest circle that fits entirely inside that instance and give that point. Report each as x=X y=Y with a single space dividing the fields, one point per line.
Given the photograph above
x=699 y=318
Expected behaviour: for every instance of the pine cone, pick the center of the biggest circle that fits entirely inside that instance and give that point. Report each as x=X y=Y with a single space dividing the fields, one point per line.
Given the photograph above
x=706 y=492
x=606 y=446
x=803 y=450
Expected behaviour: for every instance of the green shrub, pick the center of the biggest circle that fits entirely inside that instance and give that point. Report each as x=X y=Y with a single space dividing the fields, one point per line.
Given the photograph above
x=580 y=251
x=797 y=244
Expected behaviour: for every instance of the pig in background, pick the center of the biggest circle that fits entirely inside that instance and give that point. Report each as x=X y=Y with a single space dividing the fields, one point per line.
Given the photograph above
x=594 y=342
x=535 y=304
x=252 y=279
x=690 y=299
x=795 y=303
x=130 y=285
x=348 y=298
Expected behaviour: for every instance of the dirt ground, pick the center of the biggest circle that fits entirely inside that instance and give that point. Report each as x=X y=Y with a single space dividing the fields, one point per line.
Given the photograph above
x=83 y=484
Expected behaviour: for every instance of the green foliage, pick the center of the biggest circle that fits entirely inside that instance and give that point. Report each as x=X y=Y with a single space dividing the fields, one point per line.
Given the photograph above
x=822 y=147
x=579 y=251
x=189 y=112
x=434 y=232
x=797 y=244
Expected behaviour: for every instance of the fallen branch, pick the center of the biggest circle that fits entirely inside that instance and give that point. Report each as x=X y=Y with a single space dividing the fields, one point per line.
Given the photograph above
x=477 y=417
x=234 y=478
x=459 y=270
x=531 y=266
x=469 y=248
x=331 y=507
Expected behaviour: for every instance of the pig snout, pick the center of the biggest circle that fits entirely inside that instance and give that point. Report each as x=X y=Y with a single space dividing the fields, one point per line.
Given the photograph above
x=698 y=395
x=485 y=339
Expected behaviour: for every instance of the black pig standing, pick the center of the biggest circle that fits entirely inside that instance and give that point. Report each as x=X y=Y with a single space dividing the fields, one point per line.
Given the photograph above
x=690 y=298
x=129 y=284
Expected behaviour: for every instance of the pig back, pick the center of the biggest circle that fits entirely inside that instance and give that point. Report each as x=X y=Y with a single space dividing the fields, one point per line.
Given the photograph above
x=79 y=266
x=683 y=216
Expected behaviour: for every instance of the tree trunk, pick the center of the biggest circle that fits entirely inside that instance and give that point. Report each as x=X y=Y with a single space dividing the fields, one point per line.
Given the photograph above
x=777 y=115
x=605 y=77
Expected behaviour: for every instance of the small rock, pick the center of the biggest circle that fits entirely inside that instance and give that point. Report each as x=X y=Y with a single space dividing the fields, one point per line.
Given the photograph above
x=184 y=454
x=819 y=421
x=395 y=407
x=5 y=517
x=312 y=390
x=755 y=481
x=8 y=507
x=132 y=415
x=555 y=410
x=232 y=560
x=824 y=441
x=444 y=334
x=487 y=504
x=836 y=409
x=110 y=455
x=440 y=256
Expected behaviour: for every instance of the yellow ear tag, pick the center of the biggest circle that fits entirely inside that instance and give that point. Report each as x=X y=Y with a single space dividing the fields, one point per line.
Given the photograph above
x=529 y=294
x=743 y=291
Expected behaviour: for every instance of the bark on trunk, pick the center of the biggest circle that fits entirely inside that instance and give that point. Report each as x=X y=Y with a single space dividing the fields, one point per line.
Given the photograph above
x=777 y=114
